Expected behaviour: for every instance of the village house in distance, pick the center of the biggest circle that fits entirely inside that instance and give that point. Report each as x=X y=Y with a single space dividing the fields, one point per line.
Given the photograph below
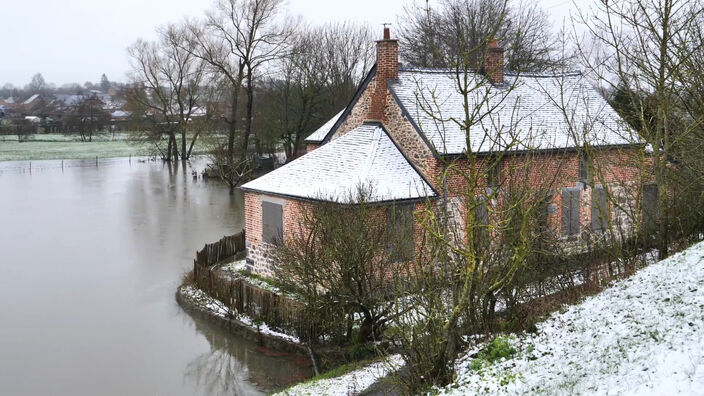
x=398 y=136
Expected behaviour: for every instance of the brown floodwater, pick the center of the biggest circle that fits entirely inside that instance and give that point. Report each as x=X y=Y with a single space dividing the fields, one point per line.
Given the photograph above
x=90 y=258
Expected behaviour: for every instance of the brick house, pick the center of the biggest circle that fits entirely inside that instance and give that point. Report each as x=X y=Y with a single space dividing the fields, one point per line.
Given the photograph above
x=390 y=137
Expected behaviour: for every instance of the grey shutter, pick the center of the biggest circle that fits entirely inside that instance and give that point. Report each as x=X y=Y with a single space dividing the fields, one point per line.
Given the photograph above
x=583 y=172
x=600 y=211
x=409 y=237
x=650 y=207
x=574 y=216
x=493 y=173
x=481 y=221
x=400 y=222
x=545 y=211
x=481 y=213
x=272 y=223
x=570 y=211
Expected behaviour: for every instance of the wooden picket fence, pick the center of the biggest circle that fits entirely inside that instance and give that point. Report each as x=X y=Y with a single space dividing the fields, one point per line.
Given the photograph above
x=239 y=295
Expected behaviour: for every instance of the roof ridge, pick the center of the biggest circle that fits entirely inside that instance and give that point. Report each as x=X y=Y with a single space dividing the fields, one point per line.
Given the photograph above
x=445 y=70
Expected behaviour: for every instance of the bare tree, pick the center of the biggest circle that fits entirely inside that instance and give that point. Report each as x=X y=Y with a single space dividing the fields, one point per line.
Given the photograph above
x=432 y=37
x=316 y=78
x=490 y=228
x=644 y=51
x=338 y=260
x=38 y=85
x=236 y=40
x=168 y=89
x=88 y=117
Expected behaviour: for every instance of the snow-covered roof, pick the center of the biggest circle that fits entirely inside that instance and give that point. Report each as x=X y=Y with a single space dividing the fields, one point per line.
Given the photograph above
x=31 y=99
x=524 y=113
x=320 y=133
x=365 y=156
x=119 y=114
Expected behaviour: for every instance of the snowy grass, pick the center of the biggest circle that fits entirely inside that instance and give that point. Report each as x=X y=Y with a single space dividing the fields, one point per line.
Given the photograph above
x=63 y=147
x=642 y=335
x=351 y=383
x=236 y=266
x=238 y=270
x=58 y=146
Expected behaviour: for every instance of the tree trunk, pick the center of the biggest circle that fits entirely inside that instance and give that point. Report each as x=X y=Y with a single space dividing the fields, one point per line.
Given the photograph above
x=184 y=155
x=167 y=156
x=250 y=108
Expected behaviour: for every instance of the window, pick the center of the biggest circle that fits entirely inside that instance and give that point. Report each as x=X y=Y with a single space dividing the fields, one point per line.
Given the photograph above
x=546 y=208
x=650 y=207
x=481 y=212
x=481 y=219
x=600 y=211
x=493 y=173
x=570 y=211
x=400 y=222
x=272 y=223
x=584 y=174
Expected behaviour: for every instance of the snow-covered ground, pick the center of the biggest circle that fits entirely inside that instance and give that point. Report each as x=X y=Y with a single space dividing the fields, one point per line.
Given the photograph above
x=351 y=383
x=642 y=335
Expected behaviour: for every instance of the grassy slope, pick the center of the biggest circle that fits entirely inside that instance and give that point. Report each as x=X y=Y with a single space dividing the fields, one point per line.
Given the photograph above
x=642 y=335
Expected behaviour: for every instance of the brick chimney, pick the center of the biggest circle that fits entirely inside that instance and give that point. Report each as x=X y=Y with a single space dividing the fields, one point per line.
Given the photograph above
x=386 y=68
x=493 y=67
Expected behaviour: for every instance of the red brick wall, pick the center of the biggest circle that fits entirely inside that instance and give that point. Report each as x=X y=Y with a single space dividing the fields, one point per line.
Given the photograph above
x=259 y=259
x=550 y=171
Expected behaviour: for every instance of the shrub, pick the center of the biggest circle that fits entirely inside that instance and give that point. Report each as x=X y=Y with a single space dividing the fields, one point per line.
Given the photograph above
x=498 y=348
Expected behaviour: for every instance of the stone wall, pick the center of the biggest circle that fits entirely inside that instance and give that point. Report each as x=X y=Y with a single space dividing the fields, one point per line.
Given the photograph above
x=406 y=137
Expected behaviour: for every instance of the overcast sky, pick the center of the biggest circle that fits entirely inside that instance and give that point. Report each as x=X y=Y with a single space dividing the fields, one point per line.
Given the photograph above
x=79 y=40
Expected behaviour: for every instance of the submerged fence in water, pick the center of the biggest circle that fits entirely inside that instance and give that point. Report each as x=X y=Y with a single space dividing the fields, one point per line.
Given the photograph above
x=239 y=295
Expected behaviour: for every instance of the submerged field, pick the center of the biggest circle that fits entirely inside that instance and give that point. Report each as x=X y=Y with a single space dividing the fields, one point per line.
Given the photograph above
x=58 y=146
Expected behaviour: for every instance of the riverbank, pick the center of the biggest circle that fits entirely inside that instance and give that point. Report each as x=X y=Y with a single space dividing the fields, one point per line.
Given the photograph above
x=342 y=373
x=196 y=301
x=351 y=379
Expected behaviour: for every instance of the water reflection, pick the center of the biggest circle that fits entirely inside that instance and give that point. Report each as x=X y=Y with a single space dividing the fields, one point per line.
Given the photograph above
x=239 y=367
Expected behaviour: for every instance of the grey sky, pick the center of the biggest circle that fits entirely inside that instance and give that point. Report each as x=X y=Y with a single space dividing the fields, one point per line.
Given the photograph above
x=78 y=40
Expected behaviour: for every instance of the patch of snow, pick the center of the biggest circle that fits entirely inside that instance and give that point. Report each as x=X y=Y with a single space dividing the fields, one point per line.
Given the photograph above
x=323 y=131
x=351 y=383
x=235 y=266
x=642 y=335
x=218 y=308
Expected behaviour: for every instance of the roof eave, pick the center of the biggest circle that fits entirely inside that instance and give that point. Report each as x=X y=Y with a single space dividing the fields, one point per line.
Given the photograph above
x=309 y=199
x=542 y=151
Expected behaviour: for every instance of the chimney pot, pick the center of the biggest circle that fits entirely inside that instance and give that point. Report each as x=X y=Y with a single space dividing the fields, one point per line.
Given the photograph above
x=387 y=33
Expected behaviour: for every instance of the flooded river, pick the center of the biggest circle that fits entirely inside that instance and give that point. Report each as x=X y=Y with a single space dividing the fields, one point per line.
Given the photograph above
x=90 y=258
